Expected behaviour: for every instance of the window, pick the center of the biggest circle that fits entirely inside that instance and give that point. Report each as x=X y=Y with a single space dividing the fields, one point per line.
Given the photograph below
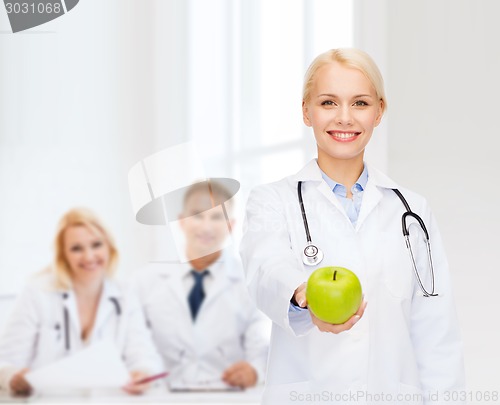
x=247 y=59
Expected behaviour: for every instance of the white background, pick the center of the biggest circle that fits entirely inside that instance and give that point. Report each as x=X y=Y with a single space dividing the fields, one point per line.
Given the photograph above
x=86 y=96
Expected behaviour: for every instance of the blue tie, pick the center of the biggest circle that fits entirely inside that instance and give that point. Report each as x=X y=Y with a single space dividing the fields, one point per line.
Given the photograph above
x=196 y=295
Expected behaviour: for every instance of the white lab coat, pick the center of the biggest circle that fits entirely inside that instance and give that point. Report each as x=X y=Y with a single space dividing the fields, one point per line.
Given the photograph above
x=34 y=336
x=404 y=344
x=228 y=326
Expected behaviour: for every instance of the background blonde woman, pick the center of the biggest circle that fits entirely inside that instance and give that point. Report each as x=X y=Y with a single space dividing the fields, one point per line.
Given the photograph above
x=73 y=304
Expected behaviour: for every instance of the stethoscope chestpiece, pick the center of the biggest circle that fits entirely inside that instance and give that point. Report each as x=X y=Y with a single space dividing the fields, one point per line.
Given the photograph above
x=312 y=255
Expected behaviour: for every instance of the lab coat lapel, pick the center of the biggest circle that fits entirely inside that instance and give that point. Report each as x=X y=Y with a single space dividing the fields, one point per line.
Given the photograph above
x=332 y=198
x=373 y=194
x=220 y=283
x=371 y=198
x=106 y=307
x=312 y=173
x=175 y=300
x=175 y=289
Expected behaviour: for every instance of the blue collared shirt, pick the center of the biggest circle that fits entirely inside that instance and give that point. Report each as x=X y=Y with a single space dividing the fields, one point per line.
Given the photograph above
x=351 y=206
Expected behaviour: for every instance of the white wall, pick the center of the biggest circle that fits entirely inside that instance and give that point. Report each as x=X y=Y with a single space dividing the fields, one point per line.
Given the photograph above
x=443 y=66
x=372 y=38
x=83 y=98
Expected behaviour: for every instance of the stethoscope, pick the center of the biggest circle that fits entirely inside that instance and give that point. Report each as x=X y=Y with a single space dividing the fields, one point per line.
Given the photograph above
x=312 y=255
x=67 y=339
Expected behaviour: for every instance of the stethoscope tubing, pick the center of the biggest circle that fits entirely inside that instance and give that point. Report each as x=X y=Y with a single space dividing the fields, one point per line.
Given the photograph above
x=406 y=234
x=66 y=330
x=67 y=336
x=312 y=261
x=303 y=210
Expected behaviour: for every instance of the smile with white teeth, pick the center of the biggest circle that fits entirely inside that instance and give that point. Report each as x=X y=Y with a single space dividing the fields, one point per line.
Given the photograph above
x=343 y=135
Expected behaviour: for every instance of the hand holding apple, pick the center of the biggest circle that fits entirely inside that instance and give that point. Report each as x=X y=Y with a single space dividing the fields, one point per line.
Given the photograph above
x=299 y=295
x=334 y=294
x=335 y=329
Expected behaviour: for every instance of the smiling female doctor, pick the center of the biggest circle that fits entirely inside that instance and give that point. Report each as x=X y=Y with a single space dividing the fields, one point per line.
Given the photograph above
x=74 y=304
x=405 y=348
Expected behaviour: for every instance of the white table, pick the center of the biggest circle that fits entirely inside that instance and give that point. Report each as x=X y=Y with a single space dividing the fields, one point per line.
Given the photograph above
x=159 y=396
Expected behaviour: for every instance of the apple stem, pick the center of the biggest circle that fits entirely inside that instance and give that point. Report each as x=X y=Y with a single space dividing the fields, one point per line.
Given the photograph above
x=334 y=275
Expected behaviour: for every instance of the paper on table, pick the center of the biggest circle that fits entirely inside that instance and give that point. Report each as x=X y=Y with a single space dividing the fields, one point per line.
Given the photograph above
x=215 y=385
x=97 y=366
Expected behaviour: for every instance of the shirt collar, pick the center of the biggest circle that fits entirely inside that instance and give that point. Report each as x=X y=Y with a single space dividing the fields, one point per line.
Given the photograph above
x=228 y=264
x=214 y=269
x=361 y=182
x=110 y=289
x=311 y=172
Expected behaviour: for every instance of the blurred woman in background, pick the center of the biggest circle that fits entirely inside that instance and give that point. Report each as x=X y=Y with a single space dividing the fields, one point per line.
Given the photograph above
x=73 y=304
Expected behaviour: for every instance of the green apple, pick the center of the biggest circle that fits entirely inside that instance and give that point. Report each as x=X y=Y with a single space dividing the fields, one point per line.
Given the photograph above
x=333 y=294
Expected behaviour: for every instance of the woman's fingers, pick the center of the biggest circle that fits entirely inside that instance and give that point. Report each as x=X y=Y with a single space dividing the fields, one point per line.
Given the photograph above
x=133 y=387
x=362 y=308
x=300 y=295
x=338 y=328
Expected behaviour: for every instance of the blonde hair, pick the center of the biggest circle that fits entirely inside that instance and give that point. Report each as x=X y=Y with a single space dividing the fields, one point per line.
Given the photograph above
x=350 y=57
x=79 y=217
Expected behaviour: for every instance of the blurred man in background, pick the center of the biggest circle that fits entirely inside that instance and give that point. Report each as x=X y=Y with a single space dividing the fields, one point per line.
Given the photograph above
x=202 y=319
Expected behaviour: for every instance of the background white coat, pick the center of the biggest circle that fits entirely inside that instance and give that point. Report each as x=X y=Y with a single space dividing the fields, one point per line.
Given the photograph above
x=35 y=333
x=228 y=327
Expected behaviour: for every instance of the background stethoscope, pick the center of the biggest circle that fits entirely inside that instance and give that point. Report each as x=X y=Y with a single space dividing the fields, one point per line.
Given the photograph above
x=67 y=339
x=312 y=255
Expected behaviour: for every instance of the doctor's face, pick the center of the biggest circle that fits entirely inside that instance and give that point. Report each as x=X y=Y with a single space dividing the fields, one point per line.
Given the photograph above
x=87 y=253
x=343 y=109
x=205 y=227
